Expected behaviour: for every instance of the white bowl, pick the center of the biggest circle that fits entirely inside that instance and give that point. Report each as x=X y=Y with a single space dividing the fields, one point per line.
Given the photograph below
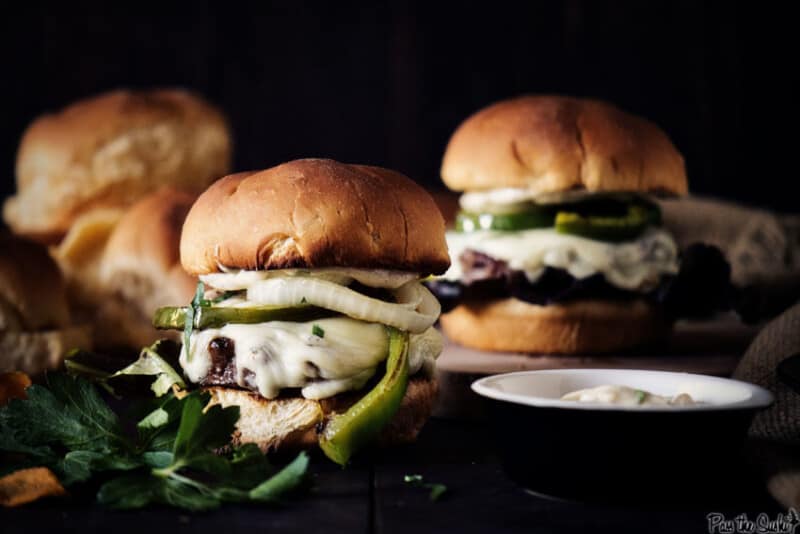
x=545 y=388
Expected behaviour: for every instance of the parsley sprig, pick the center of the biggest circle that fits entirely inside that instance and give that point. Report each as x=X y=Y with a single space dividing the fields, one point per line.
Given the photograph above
x=170 y=458
x=437 y=489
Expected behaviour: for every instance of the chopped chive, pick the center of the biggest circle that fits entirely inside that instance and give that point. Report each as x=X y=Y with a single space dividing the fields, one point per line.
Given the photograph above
x=640 y=396
x=317 y=331
x=191 y=310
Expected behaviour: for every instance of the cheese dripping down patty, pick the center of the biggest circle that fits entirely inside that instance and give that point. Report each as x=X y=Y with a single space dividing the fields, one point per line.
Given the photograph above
x=276 y=355
x=323 y=357
x=634 y=265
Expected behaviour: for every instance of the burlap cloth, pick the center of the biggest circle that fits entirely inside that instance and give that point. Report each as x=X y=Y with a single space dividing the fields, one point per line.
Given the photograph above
x=761 y=246
x=763 y=249
x=774 y=445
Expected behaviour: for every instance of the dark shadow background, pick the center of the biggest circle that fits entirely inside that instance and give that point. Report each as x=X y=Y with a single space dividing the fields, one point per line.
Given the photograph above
x=387 y=82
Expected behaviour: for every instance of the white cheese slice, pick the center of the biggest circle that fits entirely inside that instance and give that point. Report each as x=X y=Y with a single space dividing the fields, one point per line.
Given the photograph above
x=276 y=355
x=633 y=265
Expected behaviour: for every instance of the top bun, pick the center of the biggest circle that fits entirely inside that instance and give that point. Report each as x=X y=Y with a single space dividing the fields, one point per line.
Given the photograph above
x=313 y=213
x=550 y=144
x=32 y=290
x=110 y=150
x=141 y=262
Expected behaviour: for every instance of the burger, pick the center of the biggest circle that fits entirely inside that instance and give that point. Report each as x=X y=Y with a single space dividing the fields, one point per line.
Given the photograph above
x=558 y=246
x=310 y=315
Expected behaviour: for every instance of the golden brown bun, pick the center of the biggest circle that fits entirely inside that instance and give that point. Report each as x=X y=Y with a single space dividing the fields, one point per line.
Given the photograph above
x=35 y=352
x=140 y=270
x=551 y=144
x=580 y=327
x=35 y=331
x=32 y=290
x=315 y=213
x=80 y=255
x=290 y=423
x=109 y=150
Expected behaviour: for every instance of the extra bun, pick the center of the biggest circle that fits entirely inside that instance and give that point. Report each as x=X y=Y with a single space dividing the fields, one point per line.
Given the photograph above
x=580 y=327
x=32 y=290
x=551 y=144
x=290 y=423
x=110 y=150
x=140 y=271
x=315 y=213
x=35 y=330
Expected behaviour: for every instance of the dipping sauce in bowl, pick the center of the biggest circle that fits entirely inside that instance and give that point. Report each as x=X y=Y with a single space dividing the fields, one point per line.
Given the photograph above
x=627 y=396
x=606 y=434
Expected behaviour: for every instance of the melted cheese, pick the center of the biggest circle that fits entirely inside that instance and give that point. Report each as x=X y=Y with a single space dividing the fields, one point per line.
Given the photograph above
x=231 y=280
x=276 y=355
x=633 y=265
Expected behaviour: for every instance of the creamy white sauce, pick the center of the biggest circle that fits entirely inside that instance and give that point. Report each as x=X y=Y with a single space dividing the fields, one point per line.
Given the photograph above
x=283 y=354
x=634 y=265
x=626 y=396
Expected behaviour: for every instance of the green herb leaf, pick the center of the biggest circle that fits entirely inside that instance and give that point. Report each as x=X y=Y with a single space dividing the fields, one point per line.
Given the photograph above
x=286 y=480
x=171 y=460
x=69 y=415
x=640 y=396
x=157 y=429
x=158 y=459
x=130 y=491
x=317 y=330
x=202 y=431
x=437 y=490
x=151 y=363
x=224 y=296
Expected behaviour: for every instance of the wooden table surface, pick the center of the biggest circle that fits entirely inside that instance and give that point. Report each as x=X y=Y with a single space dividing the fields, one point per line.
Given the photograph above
x=371 y=496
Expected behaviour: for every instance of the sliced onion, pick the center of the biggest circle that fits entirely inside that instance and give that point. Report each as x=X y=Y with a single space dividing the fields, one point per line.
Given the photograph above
x=292 y=291
x=232 y=280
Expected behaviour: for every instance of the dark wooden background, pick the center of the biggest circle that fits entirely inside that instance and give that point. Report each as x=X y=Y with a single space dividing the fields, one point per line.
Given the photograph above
x=387 y=82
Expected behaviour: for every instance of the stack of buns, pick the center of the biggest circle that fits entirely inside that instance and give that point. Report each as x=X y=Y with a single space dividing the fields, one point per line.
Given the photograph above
x=106 y=183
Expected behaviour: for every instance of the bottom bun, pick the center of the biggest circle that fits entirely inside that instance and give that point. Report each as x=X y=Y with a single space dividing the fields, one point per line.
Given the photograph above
x=290 y=423
x=37 y=352
x=580 y=327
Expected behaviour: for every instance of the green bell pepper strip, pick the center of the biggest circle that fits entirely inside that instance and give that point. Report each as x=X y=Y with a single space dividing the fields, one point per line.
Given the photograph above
x=174 y=318
x=536 y=218
x=346 y=433
x=623 y=228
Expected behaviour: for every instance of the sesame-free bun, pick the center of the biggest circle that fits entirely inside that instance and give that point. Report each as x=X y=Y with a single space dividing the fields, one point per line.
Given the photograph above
x=35 y=327
x=552 y=144
x=579 y=327
x=140 y=269
x=110 y=150
x=32 y=291
x=288 y=423
x=313 y=213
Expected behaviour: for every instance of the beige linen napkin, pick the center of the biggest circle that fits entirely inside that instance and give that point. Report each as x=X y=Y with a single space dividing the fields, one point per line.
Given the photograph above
x=775 y=433
x=761 y=246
